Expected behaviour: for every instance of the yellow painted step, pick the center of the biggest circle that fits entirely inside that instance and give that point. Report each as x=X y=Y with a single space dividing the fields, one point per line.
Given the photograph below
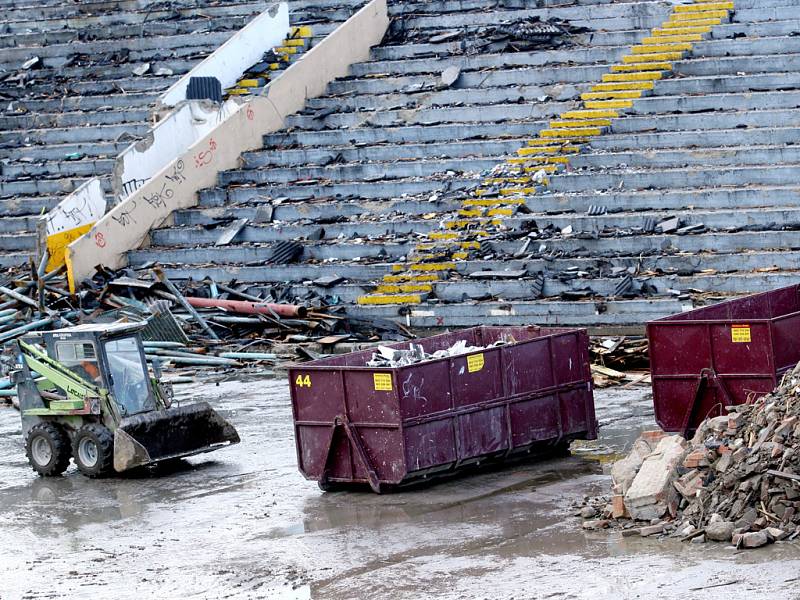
x=304 y=31
x=640 y=67
x=603 y=104
x=563 y=133
x=544 y=143
x=460 y=255
x=665 y=47
x=445 y=266
x=500 y=212
x=249 y=83
x=580 y=123
x=680 y=30
x=617 y=95
x=702 y=6
x=467 y=212
x=591 y=114
x=404 y=288
x=687 y=24
x=622 y=85
x=549 y=149
x=502 y=180
x=442 y=235
x=512 y=191
x=238 y=92
x=546 y=160
x=296 y=43
x=652 y=58
x=410 y=277
x=697 y=16
x=274 y=66
x=646 y=76
x=492 y=202
x=672 y=39
x=377 y=299
x=425 y=256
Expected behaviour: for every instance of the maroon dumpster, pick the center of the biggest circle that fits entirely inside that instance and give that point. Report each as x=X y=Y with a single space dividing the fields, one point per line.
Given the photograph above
x=394 y=426
x=728 y=353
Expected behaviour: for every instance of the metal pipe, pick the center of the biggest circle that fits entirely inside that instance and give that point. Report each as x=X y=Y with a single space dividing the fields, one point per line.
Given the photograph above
x=10 y=318
x=250 y=308
x=159 y=344
x=8 y=335
x=204 y=360
x=18 y=297
x=168 y=353
x=249 y=355
x=7 y=393
x=8 y=311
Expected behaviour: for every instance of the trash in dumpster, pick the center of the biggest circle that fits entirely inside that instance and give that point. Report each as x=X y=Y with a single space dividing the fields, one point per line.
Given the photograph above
x=392 y=426
x=385 y=356
x=736 y=481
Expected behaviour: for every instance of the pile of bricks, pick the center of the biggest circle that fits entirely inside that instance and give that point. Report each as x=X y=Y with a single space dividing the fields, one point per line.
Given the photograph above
x=737 y=480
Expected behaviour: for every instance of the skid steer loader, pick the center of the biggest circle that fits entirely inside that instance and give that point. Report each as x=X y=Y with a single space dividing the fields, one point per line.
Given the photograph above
x=85 y=392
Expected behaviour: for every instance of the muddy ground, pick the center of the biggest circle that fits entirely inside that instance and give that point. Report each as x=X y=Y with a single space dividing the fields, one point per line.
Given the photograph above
x=242 y=523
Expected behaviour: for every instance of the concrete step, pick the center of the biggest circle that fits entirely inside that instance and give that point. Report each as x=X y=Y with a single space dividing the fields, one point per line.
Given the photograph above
x=319 y=212
x=376 y=172
x=22 y=206
x=380 y=250
x=783 y=174
x=60 y=135
x=618 y=223
x=497 y=113
x=58 y=169
x=573 y=269
x=40 y=120
x=455 y=291
x=324 y=211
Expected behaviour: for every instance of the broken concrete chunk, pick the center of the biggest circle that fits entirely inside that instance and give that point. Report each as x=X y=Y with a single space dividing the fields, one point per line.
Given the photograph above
x=721 y=531
x=668 y=225
x=142 y=69
x=754 y=539
x=652 y=491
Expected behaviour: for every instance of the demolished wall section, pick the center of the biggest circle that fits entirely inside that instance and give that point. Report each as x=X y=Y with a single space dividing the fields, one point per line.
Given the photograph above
x=126 y=227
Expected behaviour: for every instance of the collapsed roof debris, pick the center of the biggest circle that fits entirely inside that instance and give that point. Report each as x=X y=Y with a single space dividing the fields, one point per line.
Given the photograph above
x=521 y=35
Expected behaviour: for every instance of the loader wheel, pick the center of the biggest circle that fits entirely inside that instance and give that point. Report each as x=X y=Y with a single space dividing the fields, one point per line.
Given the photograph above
x=93 y=450
x=47 y=448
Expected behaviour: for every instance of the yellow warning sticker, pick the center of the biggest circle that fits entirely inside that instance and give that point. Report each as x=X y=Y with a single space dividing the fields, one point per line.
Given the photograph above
x=383 y=382
x=740 y=333
x=474 y=363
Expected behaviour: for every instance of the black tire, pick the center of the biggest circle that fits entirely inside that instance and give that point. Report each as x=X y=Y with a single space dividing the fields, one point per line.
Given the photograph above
x=54 y=442
x=93 y=450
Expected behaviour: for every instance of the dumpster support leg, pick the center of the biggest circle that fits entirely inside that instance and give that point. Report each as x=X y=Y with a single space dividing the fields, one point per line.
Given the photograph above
x=341 y=421
x=706 y=375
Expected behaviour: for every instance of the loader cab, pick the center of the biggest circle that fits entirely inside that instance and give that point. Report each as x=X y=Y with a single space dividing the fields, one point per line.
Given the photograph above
x=109 y=356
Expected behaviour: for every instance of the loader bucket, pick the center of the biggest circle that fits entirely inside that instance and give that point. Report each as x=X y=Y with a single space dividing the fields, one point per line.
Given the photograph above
x=173 y=433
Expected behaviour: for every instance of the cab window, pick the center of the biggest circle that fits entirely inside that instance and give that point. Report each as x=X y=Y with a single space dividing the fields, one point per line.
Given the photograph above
x=81 y=359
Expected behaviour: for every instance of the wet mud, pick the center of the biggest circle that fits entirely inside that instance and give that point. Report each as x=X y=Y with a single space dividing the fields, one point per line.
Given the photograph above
x=243 y=523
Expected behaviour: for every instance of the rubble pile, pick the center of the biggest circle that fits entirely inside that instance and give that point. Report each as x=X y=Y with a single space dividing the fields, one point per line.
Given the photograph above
x=191 y=324
x=737 y=480
x=619 y=360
